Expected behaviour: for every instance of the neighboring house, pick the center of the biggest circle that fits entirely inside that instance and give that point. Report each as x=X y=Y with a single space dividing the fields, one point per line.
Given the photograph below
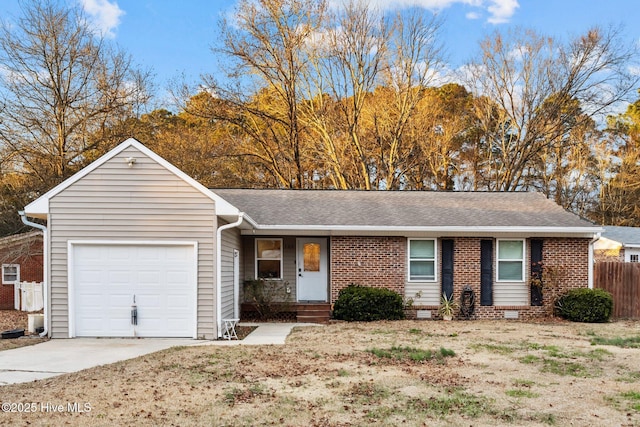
x=621 y=244
x=21 y=260
x=131 y=233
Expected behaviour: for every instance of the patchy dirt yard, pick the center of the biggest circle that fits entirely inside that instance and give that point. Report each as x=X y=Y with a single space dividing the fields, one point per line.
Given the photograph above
x=477 y=373
x=14 y=319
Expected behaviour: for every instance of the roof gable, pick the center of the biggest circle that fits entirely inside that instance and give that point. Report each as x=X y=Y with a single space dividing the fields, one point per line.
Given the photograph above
x=40 y=206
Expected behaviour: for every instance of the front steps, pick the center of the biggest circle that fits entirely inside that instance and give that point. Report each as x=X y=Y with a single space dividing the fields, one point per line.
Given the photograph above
x=313 y=312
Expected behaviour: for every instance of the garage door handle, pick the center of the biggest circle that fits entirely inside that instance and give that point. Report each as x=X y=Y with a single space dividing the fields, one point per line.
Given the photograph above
x=134 y=312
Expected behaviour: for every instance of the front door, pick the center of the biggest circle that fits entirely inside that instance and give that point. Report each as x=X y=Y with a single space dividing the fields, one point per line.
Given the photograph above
x=312 y=269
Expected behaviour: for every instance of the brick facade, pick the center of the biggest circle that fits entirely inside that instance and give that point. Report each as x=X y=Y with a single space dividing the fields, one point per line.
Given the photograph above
x=378 y=262
x=381 y=262
x=26 y=251
x=569 y=257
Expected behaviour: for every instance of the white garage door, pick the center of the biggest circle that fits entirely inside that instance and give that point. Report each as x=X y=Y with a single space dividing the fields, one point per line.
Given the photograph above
x=107 y=278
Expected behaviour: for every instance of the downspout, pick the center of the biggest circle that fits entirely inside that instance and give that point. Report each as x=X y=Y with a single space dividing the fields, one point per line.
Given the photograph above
x=596 y=237
x=219 y=269
x=45 y=272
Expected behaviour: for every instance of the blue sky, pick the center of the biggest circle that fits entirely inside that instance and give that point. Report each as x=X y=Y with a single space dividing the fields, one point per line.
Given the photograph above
x=174 y=38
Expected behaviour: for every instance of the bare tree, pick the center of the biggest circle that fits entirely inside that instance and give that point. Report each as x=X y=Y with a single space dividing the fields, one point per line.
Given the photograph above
x=411 y=66
x=619 y=202
x=265 y=47
x=61 y=84
x=533 y=90
x=369 y=75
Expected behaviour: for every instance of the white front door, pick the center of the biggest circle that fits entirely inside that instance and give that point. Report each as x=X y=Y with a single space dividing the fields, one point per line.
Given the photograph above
x=311 y=266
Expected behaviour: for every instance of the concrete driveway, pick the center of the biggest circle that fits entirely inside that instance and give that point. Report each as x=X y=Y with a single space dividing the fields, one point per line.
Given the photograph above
x=61 y=356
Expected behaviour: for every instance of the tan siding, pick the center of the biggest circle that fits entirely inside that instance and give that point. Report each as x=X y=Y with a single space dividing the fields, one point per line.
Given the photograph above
x=145 y=202
x=429 y=292
x=230 y=241
x=289 y=274
x=510 y=294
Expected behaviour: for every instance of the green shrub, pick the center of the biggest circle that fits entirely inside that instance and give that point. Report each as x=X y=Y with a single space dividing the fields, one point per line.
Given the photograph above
x=586 y=305
x=361 y=303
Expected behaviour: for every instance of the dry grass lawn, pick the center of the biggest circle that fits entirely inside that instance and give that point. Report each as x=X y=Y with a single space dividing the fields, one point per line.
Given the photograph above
x=414 y=373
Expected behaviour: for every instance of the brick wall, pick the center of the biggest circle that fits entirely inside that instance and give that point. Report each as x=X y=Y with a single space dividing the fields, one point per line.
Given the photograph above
x=568 y=256
x=381 y=262
x=571 y=256
x=378 y=262
x=27 y=253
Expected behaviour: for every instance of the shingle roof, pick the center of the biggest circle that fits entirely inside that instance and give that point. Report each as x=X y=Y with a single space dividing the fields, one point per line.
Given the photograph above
x=626 y=235
x=400 y=208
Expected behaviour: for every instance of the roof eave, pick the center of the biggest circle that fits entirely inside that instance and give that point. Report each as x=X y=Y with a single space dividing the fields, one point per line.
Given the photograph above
x=583 y=232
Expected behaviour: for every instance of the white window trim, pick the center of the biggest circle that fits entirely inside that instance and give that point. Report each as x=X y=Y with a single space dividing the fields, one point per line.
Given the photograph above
x=435 y=262
x=255 y=253
x=524 y=259
x=10 y=282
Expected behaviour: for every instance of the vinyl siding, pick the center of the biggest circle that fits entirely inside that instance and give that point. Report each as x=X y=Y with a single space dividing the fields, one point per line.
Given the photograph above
x=143 y=202
x=289 y=275
x=429 y=291
x=230 y=241
x=510 y=294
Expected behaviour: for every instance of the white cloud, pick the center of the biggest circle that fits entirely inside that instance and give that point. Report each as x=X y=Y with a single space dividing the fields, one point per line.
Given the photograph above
x=105 y=15
x=500 y=11
x=434 y=5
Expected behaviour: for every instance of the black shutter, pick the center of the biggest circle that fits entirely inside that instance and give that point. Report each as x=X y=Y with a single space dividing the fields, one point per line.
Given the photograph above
x=447 y=267
x=536 y=271
x=486 y=272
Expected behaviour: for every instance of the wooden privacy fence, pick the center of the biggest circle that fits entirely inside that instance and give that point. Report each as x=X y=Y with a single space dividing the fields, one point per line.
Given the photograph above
x=622 y=280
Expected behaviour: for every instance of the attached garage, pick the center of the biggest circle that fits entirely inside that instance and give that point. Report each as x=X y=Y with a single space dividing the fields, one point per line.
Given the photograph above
x=108 y=279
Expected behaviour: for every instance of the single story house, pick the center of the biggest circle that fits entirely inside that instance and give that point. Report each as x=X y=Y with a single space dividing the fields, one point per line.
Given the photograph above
x=21 y=261
x=618 y=244
x=132 y=234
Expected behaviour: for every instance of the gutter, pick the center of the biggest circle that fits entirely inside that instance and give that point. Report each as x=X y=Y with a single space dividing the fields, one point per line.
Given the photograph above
x=45 y=272
x=596 y=237
x=219 y=269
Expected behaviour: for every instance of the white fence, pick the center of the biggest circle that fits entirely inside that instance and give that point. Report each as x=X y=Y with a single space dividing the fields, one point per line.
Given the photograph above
x=29 y=296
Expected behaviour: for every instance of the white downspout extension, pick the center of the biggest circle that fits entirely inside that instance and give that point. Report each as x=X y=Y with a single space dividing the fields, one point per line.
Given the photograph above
x=219 y=269
x=591 y=259
x=45 y=272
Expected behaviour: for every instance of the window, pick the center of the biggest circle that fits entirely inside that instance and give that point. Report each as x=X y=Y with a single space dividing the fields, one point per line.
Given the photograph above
x=422 y=260
x=10 y=274
x=311 y=257
x=634 y=257
x=510 y=261
x=269 y=258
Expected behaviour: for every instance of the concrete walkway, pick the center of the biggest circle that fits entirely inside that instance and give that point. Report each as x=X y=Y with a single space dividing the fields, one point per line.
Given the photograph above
x=61 y=356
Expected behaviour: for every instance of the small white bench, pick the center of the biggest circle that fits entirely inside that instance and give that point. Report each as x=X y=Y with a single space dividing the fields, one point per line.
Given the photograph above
x=229 y=331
